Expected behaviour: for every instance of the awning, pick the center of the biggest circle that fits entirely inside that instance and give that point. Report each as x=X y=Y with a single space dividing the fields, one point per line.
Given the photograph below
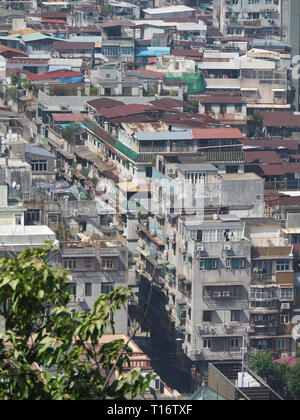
x=291 y=231
x=223 y=283
x=263 y=311
x=250 y=89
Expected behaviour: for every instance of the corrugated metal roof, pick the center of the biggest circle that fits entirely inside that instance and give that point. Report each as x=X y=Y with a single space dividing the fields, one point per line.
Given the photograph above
x=55 y=75
x=217 y=133
x=160 y=136
x=64 y=117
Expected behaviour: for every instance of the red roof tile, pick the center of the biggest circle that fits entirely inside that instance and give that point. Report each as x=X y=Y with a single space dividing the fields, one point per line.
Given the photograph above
x=55 y=75
x=262 y=156
x=124 y=110
x=114 y=23
x=68 y=117
x=217 y=133
x=221 y=98
x=63 y=22
x=150 y=72
x=281 y=169
x=4 y=49
x=102 y=103
x=72 y=46
x=272 y=144
x=280 y=119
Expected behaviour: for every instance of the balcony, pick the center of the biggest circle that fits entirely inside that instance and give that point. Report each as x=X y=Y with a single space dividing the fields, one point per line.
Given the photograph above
x=261 y=278
x=220 y=330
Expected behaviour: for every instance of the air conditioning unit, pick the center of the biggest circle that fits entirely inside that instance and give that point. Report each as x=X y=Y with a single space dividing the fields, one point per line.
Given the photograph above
x=226 y=294
x=75 y=213
x=152 y=232
x=227 y=247
x=217 y=294
x=200 y=248
x=285 y=306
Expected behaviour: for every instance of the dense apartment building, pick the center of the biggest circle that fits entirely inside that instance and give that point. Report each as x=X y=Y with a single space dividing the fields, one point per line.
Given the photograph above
x=253 y=18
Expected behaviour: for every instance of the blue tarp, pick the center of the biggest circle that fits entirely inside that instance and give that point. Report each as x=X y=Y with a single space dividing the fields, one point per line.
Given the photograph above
x=152 y=51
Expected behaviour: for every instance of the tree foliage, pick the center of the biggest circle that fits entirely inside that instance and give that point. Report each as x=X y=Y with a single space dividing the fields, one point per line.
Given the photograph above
x=285 y=380
x=50 y=353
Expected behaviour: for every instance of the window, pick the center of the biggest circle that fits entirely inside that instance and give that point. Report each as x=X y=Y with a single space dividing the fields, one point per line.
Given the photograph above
x=235 y=343
x=207 y=316
x=209 y=264
x=284 y=319
x=88 y=289
x=70 y=263
x=207 y=343
x=286 y=294
x=39 y=165
x=194 y=177
x=235 y=263
x=282 y=344
x=73 y=289
x=282 y=265
x=109 y=263
x=149 y=171
x=107 y=288
x=18 y=219
x=238 y=108
x=235 y=316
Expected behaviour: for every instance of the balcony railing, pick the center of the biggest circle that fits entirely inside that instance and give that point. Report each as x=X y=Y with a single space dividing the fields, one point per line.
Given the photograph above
x=262 y=278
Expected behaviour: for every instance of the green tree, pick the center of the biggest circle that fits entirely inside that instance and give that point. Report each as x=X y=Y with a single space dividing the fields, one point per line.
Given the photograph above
x=42 y=334
x=264 y=366
x=293 y=382
x=70 y=131
x=15 y=79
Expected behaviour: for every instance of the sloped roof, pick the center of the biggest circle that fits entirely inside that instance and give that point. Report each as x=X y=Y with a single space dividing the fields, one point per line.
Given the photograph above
x=64 y=117
x=280 y=119
x=217 y=133
x=124 y=110
x=55 y=75
x=262 y=156
x=280 y=169
x=102 y=103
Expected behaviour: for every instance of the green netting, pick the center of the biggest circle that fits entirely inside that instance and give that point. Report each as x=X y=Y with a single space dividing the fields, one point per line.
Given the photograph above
x=194 y=81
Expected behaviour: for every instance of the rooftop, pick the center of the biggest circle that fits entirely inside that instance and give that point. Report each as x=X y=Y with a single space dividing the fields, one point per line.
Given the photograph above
x=217 y=133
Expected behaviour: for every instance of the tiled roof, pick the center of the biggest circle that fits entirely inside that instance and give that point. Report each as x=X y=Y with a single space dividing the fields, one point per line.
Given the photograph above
x=220 y=157
x=280 y=119
x=262 y=156
x=72 y=46
x=55 y=75
x=124 y=110
x=217 y=133
x=103 y=103
x=64 y=117
x=280 y=169
x=220 y=98
x=272 y=143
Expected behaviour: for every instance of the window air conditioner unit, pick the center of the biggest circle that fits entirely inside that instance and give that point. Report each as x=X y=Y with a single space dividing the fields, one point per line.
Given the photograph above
x=200 y=248
x=285 y=306
x=227 y=247
x=217 y=294
x=226 y=294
